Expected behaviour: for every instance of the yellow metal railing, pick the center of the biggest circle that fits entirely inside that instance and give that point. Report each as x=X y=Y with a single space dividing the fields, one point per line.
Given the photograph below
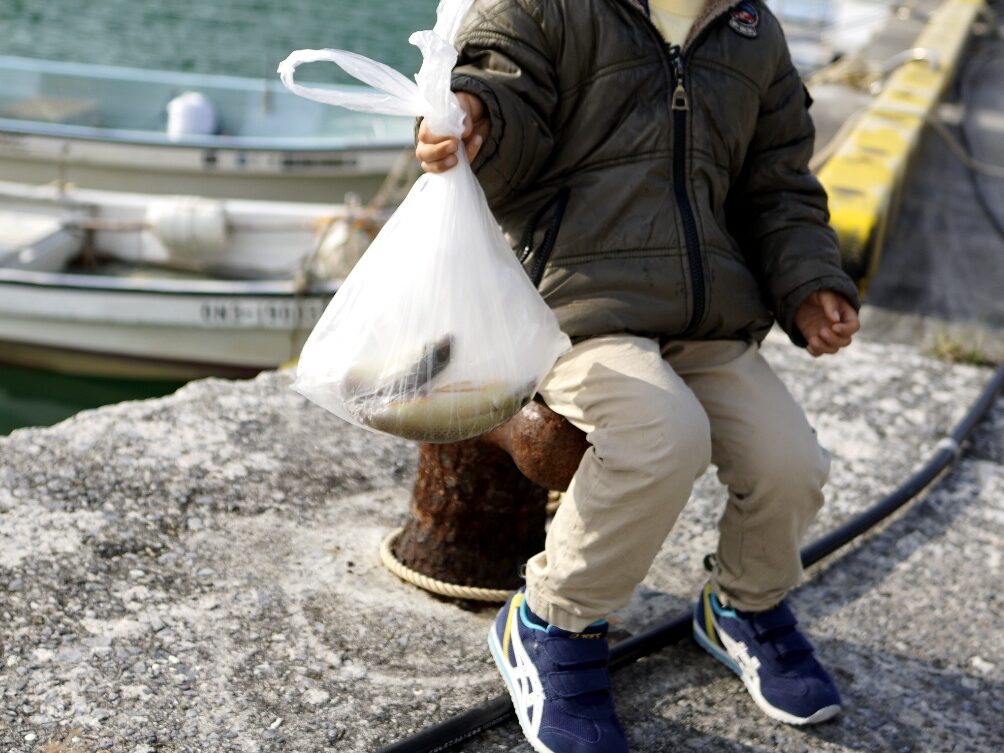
x=863 y=175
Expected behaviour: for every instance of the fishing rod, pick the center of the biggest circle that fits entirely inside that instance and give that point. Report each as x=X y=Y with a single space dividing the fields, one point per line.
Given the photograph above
x=471 y=723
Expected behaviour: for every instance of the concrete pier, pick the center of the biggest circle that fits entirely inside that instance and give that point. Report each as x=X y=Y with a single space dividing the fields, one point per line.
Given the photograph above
x=200 y=572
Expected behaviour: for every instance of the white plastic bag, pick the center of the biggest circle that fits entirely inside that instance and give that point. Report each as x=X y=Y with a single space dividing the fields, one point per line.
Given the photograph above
x=438 y=334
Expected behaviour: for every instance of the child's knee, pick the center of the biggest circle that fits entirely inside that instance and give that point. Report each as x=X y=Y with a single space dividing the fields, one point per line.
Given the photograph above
x=694 y=437
x=685 y=438
x=793 y=469
x=668 y=436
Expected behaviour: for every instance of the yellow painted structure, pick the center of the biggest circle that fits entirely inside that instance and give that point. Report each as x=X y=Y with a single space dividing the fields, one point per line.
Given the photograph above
x=865 y=172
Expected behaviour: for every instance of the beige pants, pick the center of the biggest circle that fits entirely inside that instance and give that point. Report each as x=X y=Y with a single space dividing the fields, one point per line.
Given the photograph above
x=655 y=419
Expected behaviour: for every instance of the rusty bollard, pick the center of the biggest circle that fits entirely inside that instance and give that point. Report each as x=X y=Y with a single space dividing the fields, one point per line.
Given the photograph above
x=478 y=506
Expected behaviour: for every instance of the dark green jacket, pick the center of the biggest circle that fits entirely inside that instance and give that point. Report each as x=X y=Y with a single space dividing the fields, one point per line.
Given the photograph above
x=691 y=211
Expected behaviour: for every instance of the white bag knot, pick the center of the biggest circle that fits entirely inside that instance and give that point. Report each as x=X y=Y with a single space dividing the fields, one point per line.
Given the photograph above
x=429 y=96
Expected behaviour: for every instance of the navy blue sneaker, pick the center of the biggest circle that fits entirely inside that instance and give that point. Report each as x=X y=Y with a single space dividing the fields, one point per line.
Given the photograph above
x=558 y=681
x=772 y=657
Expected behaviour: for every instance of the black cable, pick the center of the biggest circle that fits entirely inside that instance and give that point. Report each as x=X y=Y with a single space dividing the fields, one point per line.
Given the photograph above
x=484 y=716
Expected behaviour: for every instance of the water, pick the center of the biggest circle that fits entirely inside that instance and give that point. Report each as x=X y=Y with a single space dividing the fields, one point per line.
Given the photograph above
x=242 y=38
x=235 y=37
x=29 y=397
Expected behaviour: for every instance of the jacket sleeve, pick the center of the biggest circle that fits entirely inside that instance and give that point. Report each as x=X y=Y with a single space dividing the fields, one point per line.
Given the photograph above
x=505 y=59
x=779 y=208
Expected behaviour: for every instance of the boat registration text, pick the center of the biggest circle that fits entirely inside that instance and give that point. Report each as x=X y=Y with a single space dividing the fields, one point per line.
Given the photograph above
x=269 y=314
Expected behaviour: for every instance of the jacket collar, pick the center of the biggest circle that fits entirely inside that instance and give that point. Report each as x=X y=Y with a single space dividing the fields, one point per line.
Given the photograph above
x=712 y=10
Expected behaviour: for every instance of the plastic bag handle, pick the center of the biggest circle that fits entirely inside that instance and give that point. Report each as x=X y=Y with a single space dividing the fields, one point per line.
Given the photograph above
x=429 y=98
x=395 y=95
x=450 y=16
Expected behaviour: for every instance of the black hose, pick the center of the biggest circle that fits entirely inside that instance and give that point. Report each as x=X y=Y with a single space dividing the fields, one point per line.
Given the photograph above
x=455 y=730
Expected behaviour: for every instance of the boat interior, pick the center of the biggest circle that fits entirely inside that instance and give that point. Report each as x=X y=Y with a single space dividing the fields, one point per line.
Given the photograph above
x=47 y=250
x=111 y=103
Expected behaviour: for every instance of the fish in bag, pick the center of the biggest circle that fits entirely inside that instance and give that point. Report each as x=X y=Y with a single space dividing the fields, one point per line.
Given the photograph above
x=437 y=334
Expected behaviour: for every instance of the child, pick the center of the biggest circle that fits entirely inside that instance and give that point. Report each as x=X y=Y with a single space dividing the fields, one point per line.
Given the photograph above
x=670 y=146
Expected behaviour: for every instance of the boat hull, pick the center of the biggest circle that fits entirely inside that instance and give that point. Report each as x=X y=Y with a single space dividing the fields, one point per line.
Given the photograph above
x=310 y=176
x=110 y=128
x=152 y=330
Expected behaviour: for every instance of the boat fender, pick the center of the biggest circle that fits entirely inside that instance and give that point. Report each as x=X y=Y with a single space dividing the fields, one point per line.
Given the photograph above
x=188 y=226
x=190 y=114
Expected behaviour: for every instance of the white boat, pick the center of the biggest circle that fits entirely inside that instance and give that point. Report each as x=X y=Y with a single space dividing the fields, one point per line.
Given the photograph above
x=127 y=129
x=145 y=286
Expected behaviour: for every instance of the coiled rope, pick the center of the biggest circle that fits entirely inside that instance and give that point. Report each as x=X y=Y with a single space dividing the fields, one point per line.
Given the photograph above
x=440 y=587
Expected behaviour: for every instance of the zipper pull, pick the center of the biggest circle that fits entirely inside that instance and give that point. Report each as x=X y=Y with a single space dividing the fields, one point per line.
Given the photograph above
x=680 y=93
x=680 y=97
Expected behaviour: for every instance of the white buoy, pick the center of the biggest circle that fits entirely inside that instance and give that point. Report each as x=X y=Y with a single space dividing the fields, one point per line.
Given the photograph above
x=190 y=114
x=192 y=228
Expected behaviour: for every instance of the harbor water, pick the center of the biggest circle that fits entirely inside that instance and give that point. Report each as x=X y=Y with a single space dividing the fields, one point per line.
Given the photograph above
x=31 y=397
x=249 y=38
x=228 y=37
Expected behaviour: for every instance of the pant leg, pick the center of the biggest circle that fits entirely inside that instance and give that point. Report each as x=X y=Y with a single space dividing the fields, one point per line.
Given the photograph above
x=649 y=440
x=768 y=457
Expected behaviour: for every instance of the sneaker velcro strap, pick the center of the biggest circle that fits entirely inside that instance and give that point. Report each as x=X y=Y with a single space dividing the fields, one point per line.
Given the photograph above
x=571 y=651
x=579 y=682
x=790 y=643
x=778 y=617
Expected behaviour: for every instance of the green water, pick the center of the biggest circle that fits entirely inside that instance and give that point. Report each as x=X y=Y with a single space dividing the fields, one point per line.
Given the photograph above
x=233 y=37
x=39 y=398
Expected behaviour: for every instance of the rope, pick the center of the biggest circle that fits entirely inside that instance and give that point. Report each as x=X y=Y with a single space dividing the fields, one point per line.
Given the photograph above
x=823 y=154
x=426 y=583
x=964 y=156
x=932 y=119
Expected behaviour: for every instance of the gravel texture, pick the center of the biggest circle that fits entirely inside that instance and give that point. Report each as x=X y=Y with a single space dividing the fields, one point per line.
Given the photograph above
x=200 y=572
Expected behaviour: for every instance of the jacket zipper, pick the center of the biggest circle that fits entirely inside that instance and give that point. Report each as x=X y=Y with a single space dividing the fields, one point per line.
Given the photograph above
x=680 y=108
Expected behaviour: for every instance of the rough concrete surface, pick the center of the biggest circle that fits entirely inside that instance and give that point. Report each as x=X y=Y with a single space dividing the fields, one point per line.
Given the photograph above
x=200 y=573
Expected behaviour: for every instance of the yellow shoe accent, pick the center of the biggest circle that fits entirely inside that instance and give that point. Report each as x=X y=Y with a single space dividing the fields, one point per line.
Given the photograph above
x=514 y=606
x=709 y=623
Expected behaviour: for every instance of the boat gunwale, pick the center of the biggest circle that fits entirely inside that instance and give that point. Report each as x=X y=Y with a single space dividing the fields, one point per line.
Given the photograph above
x=291 y=144
x=151 y=75
x=188 y=368
x=220 y=288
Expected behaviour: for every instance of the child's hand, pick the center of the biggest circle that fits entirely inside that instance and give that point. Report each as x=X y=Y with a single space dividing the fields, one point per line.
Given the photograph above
x=827 y=321
x=439 y=153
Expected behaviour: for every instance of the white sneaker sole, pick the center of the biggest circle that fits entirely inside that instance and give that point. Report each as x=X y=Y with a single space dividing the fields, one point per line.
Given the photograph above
x=752 y=683
x=503 y=665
